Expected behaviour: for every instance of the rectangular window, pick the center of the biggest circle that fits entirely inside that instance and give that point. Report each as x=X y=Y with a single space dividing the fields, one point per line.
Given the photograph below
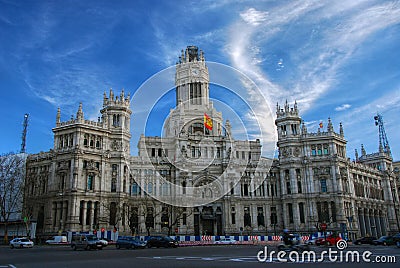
x=247 y=216
x=290 y=212
x=260 y=216
x=218 y=152
x=233 y=218
x=294 y=129
x=324 y=188
x=90 y=182
x=289 y=190
x=184 y=217
x=301 y=212
x=245 y=189
x=274 y=218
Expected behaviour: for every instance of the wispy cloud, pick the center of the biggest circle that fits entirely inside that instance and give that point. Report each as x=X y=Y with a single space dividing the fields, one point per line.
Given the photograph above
x=318 y=60
x=342 y=107
x=254 y=17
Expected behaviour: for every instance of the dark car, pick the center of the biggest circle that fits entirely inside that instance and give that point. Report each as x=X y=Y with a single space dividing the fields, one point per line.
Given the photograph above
x=396 y=237
x=384 y=240
x=85 y=241
x=365 y=240
x=161 y=241
x=129 y=242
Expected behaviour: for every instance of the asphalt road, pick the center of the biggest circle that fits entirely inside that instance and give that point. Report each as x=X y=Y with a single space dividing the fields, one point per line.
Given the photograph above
x=201 y=256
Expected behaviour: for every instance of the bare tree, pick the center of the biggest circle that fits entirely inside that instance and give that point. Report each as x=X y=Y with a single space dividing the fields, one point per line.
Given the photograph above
x=12 y=172
x=143 y=207
x=176 y=215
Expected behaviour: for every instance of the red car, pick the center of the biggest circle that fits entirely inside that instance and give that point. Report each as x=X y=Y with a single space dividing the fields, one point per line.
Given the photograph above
x=330 y=240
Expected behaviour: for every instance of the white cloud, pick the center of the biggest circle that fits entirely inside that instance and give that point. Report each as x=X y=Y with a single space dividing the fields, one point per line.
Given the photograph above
x=253 y=16
x=342 y=107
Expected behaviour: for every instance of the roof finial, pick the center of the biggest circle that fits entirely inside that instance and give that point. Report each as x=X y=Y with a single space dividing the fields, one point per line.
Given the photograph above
x=58 y=117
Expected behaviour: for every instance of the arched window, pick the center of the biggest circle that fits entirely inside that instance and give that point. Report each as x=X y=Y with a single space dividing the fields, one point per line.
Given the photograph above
x=135 y=189
x=150 y=188
x=85 y=141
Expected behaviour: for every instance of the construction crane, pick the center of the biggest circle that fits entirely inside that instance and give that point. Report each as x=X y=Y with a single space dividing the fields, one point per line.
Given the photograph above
x=24 y=130
x=383 y=140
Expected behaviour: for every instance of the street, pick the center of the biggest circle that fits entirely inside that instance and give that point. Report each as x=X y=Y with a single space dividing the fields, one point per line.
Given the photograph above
x=201 y=256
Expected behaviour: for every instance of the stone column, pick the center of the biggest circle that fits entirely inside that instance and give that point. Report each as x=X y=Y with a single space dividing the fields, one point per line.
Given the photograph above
x=378 y=224
x=58 y=214
x=367 y=222
x=91 y=214
x=382 y=223
x=372 y=222
x=64 y=215
x=361 y=220
x=84 y=204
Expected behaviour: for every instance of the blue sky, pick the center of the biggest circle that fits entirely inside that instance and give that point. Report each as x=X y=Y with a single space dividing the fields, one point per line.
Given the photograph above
x=338 y=59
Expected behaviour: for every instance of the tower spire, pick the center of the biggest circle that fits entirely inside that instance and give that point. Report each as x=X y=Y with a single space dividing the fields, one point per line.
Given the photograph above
x=79 y=114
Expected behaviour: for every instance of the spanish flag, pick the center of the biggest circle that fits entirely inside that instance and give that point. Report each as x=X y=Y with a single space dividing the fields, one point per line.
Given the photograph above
x=321 y=125
x=208 y=122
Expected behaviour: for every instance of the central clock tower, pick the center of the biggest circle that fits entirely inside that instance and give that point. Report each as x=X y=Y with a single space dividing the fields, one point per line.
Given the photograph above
x=192 y=80
x=193 y=103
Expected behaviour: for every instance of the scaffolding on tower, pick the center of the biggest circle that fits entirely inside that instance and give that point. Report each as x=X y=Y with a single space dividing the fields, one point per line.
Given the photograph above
x=383 y=140
x=24 y=130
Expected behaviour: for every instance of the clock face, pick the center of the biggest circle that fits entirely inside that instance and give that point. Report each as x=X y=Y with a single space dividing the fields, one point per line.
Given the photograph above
x=195 y=72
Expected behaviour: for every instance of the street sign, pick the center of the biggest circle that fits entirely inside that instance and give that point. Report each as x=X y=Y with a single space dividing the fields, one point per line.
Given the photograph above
x=323 y=226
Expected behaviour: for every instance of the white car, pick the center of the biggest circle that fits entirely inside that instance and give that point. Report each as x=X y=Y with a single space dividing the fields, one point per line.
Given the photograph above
x=225 y=241
x=104 y=242
x=21 y=243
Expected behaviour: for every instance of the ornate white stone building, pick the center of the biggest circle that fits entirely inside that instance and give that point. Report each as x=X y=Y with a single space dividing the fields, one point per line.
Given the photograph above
x=197 y=179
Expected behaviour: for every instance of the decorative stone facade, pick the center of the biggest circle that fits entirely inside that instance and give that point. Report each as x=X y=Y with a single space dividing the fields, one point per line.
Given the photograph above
x=89 y=180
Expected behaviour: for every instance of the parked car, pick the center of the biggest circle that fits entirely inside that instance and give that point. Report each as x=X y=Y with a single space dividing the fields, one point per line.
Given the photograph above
x=384 y=240
x=161 y=241
x=103 y=242
x=313 y=241
x=58 y=239
x=396 y=237
x=86 y=241
x=21 y=243
x=332 y=239
x=320 y=241
x=225 y=241
x=130 y=242
x=365 y=240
